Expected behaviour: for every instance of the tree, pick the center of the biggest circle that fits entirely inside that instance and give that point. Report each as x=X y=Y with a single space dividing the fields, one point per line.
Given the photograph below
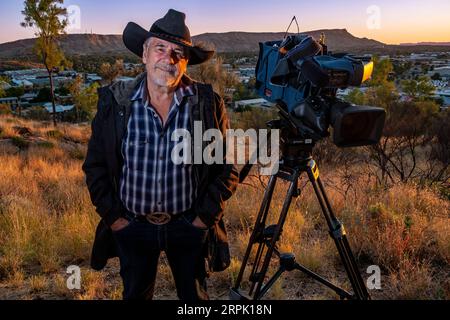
x=381 y=72
x=436 y=76
x=420 y=89
x=356 y=96
x=410 y=147
x=212 y=72
x=85 y=99
x=49 y=20
x=44 y=95
x=15 y=92
x=401 y=68
x=3 y=80
x=382 y=91
x=110 y=72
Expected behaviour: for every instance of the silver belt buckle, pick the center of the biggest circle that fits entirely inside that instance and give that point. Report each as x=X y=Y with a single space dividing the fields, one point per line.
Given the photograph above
x=159 y=218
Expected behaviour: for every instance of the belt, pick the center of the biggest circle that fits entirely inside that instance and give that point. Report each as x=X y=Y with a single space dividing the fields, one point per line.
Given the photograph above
x=158 y=218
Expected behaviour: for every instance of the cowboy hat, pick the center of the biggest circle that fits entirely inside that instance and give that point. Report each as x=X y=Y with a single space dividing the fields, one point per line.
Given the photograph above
x=171 y=28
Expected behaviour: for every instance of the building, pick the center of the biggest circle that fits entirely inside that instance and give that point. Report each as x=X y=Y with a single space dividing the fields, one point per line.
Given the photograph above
x=58 y=108
x=445 y=95
x=444 y=72
x=131 y=66
x=26 y=84
x=253 y=103
x=123 y=78
x=247 y=72
x=92 y=77
x=12 y=102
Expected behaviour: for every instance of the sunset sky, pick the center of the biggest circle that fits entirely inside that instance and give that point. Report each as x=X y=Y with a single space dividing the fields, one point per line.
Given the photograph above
x=388 y=21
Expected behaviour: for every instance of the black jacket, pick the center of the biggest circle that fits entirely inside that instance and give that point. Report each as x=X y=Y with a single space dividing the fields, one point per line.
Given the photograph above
x=103 y=166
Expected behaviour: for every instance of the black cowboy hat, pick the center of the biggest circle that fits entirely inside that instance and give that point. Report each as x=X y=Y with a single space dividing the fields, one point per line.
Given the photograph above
x=170 y=28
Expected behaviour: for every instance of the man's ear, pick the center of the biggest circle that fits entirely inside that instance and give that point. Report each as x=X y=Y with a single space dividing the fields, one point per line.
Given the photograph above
x=144 y=55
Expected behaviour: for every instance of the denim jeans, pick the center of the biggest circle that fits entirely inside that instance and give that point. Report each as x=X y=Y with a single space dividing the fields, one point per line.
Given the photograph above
x=139 y=246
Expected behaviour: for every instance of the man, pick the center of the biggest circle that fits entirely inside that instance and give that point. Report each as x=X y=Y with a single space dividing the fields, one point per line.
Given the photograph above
x=148 y=204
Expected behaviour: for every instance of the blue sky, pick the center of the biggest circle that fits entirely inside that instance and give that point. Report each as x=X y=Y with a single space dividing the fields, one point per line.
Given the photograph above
x=399 y=21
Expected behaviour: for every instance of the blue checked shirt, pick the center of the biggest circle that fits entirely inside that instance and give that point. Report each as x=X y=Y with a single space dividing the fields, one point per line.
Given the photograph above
x=150 y=181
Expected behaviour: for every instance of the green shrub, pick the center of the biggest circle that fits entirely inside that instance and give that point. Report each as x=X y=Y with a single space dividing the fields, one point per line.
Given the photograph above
x=55 y=134
x=46 y=144
x=20 y=142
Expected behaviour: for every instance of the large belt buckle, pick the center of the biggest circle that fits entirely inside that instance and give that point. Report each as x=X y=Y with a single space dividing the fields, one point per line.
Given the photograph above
x=158 y=218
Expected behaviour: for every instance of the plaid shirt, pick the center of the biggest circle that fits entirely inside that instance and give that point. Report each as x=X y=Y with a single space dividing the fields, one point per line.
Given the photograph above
x=150 y=181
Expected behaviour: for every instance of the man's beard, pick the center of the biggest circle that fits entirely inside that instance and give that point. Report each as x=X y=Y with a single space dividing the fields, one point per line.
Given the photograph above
x=167 y=68
x=167 y=75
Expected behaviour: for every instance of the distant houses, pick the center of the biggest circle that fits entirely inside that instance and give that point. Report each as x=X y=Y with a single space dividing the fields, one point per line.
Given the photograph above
x=443 y=72
x=252 y=103
x=445 y=96
x=12 y=102
x=58 y=108
x=32 y=81
x=92 y=77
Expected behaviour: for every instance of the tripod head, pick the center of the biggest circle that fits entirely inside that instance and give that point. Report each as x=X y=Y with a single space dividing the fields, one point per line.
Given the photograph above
x=296 y=150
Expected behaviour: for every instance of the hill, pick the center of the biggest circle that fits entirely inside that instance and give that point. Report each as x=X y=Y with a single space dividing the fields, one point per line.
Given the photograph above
x=96 y=44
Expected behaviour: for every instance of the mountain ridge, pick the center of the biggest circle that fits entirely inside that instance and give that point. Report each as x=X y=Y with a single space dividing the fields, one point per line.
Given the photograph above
x=234 y=41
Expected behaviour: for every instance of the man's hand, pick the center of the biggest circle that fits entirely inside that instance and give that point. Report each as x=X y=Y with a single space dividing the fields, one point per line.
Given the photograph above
x=198 y=223
x=119 y=224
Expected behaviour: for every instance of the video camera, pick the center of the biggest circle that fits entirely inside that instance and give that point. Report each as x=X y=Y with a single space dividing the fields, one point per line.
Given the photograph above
x=302 y=78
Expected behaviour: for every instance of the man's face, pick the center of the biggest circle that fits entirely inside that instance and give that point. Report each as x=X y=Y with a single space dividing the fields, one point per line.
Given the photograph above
x=165 y=62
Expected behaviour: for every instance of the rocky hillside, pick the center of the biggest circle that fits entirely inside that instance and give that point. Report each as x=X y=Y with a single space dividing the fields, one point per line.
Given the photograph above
x=337 y=39
x=95 y=44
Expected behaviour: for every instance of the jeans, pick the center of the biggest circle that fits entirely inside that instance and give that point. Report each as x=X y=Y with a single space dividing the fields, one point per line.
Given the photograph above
x=139 y=246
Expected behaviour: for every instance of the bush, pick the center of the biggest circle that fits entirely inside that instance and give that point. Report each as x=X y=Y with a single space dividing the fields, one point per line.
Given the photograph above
x=5 y=109
x=55 y=134
x=37 y=113
x=20 y=142
x=46 y=144
x=255 y=118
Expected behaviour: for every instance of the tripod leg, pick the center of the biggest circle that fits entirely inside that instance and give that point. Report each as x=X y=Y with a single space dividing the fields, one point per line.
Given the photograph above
x=270 y=283
x=287 y=202
x=259 y=228
x=338 y=234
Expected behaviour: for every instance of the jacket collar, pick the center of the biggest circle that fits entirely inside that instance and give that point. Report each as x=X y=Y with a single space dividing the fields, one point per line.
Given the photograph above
x=123 y=91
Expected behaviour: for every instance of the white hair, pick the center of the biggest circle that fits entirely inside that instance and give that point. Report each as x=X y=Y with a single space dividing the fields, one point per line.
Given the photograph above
x=147 y=42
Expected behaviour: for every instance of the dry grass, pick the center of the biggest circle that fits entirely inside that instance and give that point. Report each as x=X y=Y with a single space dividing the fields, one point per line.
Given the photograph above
x=47 y=222
x=38 y=283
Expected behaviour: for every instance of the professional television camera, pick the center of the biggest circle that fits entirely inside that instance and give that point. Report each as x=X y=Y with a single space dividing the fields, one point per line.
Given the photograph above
x=302 y=78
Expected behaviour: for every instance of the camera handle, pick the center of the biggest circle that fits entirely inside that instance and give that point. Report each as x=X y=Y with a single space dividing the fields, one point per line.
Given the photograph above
x=267 y=237
x=296 y=22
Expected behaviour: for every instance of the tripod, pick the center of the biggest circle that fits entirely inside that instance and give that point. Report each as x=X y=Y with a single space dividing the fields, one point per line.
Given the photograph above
x=263 y=237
